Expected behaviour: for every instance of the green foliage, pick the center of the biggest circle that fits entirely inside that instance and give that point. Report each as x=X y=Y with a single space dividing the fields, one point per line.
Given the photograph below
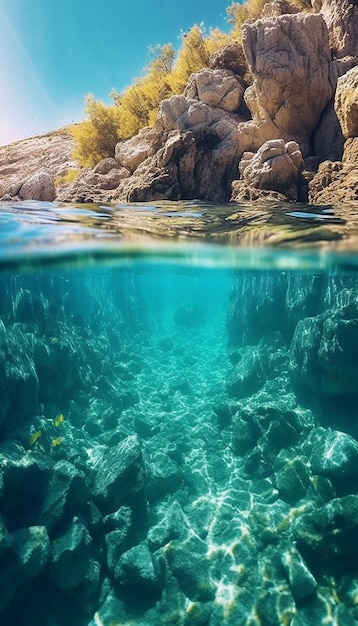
x=96 y=137
x=67 y=178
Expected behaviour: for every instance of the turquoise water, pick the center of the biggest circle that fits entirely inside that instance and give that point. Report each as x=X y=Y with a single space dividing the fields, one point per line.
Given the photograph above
x=178 y=420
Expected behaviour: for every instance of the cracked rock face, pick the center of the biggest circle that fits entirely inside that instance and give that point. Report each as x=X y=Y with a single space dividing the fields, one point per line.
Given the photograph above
x=217 y=88
x=346 y=103
x=294 y=80
x=276 y=166
x=341 y=17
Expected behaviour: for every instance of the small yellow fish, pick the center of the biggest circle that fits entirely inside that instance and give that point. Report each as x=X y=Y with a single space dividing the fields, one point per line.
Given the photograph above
x=59 y=419
x=35 y=437
x=53 y=339
x=56 y=442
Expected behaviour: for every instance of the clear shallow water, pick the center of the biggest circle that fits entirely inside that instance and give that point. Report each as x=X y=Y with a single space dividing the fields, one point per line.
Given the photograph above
x=178 y=423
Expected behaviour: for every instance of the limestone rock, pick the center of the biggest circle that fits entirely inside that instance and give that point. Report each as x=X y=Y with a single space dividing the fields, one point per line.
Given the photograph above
x=230 y=57
x=346 y=102
x=217 y=88
x=241 y=192
x=328 y=531
x=337 y=181
x=278 y=7
x=105 y=166
x=19 y=160
x=276 y=166
x=334 y=454
x=290 y=59
x=198 y=157
x=40 y=186
x=121 y=472
x=341 y=17
x=131 y=153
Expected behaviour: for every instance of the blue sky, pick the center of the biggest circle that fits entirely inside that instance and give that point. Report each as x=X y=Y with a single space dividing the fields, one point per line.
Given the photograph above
x=54 y=52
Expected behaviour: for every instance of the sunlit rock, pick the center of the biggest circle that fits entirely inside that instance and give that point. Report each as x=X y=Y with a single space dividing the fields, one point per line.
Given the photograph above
x=275 y=166
x=346 y=102
x=40 y=186
x=290 y=59
x=217 y=88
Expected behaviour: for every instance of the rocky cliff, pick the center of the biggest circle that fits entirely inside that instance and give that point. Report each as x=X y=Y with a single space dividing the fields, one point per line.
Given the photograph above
x=289 y=134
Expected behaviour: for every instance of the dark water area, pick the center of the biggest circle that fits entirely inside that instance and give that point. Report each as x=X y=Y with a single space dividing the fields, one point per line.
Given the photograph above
x=178 y=416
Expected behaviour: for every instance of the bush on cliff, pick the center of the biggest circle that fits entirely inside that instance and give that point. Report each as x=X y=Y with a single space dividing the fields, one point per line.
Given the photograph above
x=137 y=106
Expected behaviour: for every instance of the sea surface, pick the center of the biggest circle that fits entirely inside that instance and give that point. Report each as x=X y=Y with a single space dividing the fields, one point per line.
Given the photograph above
x=178 y=414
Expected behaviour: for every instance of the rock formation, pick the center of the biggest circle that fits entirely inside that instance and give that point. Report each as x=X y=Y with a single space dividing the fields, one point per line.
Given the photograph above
x=280 y=85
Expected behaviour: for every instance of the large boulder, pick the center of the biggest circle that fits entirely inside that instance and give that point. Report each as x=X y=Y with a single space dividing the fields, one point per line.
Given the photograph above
x=341 y=17
x=121 y=472
x=131 y=153
x=198 y=158
x=336 y=181
x=346 y=102
x=39 y=186
x=217 y=88
x=294 y=79
x=276 y=165
x=324 y=349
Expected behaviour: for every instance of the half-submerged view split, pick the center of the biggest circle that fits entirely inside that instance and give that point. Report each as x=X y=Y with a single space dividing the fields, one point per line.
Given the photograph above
x=179 y=317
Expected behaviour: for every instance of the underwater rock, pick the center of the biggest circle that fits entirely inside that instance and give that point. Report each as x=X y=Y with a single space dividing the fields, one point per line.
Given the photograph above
x=121 y=472
x=302 y=582
x=27 y=475
x=329 y=531
x=137 y=567
x=268 y=521
x=164 y=476
x=246 y=378
x=291 y=476
x=323 y=351
x=169 y=528
x=191 y=567
x=120 y=527
x=18 y=378
x=280 y=428
x=334 y=453
x=70 y=557
x=317 y=610
x=245 y=433
x=23 y=561
x=67 y=492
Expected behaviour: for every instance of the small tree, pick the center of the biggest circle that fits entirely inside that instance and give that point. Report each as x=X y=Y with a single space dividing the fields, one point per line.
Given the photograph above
x=96 y=138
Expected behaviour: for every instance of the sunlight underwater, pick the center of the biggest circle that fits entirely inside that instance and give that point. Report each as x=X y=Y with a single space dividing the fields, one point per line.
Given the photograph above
x=178 y=446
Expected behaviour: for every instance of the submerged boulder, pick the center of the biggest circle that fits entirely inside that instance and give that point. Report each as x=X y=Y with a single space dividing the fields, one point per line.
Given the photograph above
x=121 y=472
x=329 y=531
x=323 y=351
